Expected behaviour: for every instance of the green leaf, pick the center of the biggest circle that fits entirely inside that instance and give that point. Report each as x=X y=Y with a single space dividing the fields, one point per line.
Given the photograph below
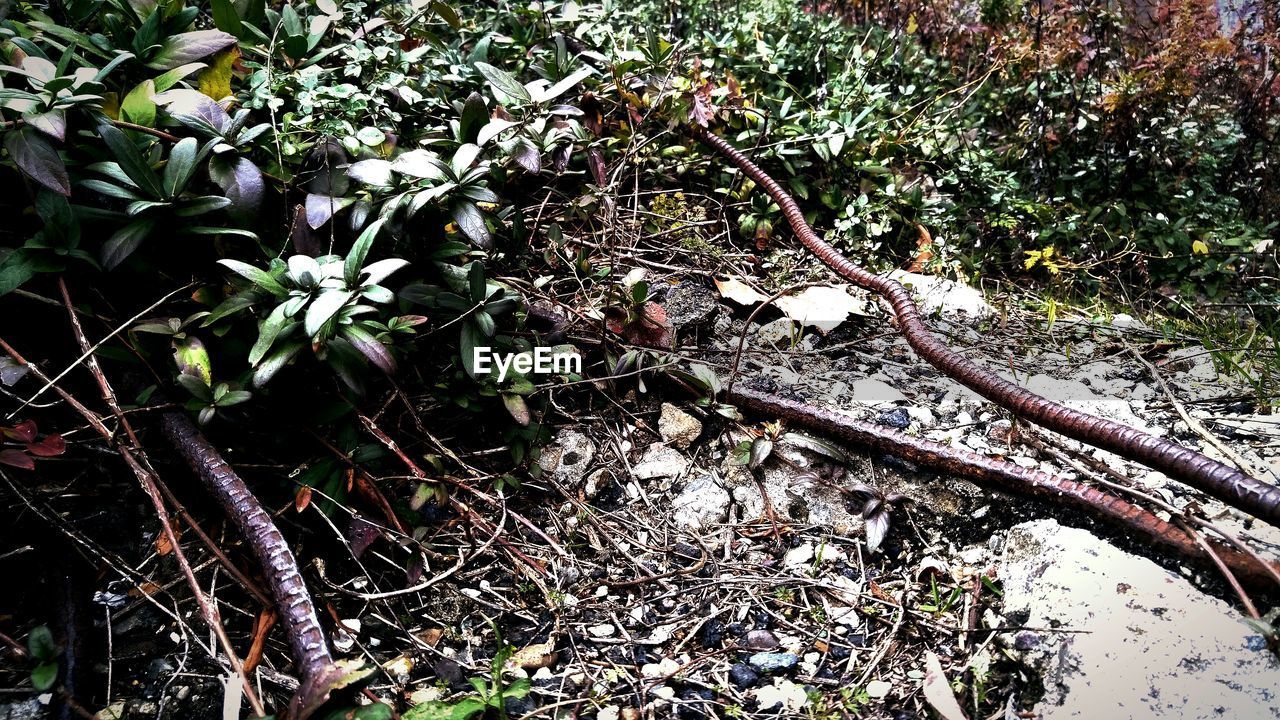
x=475 y=282
x=322 y=309
x=201 y=205
x=359 y=251
x=171 y=78
x=564 y=85
x=255 y=275
x=470 y=340
x=110 y=190
x=130 y=159
x=464 y=709
x=139 y=106
x=193 y=359
x=474 y=116
x=471 y=221
x=186 y=47
x=37 y=159
x=241 y=181
x=44 y=676
x=198 y=388
x=41 y=645
x=370 y=347
x=226 y=18
x=275 y=362
x=504 y=82
x=268 y=331
x=182 y=161
x=125 y=241
x=447 y=13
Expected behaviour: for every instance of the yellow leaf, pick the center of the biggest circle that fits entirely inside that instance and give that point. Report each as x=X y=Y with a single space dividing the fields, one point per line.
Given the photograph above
x=911 y=24
x=1033 y=257
x=1199 y=247
x=215 y=80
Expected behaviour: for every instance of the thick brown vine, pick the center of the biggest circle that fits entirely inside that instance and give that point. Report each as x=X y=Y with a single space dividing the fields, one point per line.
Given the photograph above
x=946 y=459
x=1223 y=482
x=318 y=673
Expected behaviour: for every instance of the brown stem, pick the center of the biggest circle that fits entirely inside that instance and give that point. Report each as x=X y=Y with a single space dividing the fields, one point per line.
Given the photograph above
x=1226 y=483
x=946 y=459
x=132 y=452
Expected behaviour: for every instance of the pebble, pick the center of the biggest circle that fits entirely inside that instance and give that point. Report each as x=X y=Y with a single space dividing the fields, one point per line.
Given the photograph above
x=895 y=418
x=742 y=676
x=678 y=427
x=760 y=640
x=771 y=662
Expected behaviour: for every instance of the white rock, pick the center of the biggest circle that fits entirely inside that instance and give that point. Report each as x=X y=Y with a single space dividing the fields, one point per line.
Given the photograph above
x=602 y=630
x=678 y=427
x=878 y=688
x=660 y=461
x=779 y=332
x=798 y=556
x=1125 y=321
x=662 y=668
x=1144 y=642
x=569 y=457
x=609 y=712
x=702 y=503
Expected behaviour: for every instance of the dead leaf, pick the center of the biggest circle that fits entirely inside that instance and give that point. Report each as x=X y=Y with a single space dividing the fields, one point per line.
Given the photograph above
x=739 y=292
x=822 y=307
x=533 y=657
x=303 y=498
x=937 y=691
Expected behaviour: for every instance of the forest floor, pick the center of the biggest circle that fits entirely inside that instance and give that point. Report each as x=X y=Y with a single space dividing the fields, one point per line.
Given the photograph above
x=651 y=573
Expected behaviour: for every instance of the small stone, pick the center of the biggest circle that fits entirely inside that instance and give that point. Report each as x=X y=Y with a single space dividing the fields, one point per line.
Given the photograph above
x=602 y=630
x=1125 y=321
x=663 y=668
x=608 y=712
x=895 y=418
x=878 y=689
x=678 y=427
x=660 y=461
x=1025 y=640
x=595 y=482
x=702 y=503
x=760 y=640
x=779 y=332
x=799 y=556
x=768 y=663
x=569 y=457
x=742 y=676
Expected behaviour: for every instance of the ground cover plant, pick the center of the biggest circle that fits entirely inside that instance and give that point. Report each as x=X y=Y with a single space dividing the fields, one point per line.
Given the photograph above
x=297 y=221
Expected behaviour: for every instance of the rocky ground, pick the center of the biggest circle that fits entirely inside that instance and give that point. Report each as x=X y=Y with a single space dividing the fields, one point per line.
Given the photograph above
x=680 y=581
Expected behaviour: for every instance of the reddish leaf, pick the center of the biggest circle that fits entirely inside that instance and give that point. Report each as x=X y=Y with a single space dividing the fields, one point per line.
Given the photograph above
x=361 y=534
x=595 y=162
x=303 y=498
x=18 y=459
x=48 y=446
x=701 y=111
x=650 y=327
x=22 y=432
